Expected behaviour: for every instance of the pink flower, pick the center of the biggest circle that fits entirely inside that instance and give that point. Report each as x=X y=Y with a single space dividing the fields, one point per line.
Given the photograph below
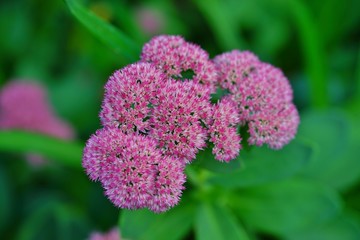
x=163 y=52
x=177 y=121
x=141 y=99
x=129 y=94
x=24 y=105
x=262 y=92
x=174 y=56
x=131 y=169
x=233 y=66
x=154 y=124
x=169 y=183
x=276 y=128
x=113 y=234
x=223 y=132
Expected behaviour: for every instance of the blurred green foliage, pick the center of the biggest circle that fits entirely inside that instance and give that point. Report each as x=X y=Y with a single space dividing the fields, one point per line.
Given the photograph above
x=308 y=190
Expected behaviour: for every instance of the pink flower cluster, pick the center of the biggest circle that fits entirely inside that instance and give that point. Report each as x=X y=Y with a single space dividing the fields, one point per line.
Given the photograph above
x=156 y=118
x=263 y=96
x=133 y=171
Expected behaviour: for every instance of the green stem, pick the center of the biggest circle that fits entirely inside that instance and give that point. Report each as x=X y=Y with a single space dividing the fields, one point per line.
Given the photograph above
x=65 y=152
x=314 y=56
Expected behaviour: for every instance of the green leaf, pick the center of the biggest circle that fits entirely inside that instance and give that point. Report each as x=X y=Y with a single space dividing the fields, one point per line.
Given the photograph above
x=337 y=147
x=108 y=34
x=358 y=76
x=262 y=165
x=206 y=160
x=221 y=23
x=216 y=222
x=288 y=206
x=81 y=109
x=312 y=49
x=48 y=218
x=144 y=224
x=343 y=227
x=65 y=152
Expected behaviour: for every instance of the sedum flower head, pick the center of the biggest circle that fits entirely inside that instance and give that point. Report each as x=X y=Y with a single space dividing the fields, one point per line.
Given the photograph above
x=163 y=52
x=261 y=92
x=174 y=56
x=130 y=168
x=156 y=119
x=129 y=94
x=177 y=121
x=233 y=66
x=276 y=128
x=169 y=182
x=223 y=131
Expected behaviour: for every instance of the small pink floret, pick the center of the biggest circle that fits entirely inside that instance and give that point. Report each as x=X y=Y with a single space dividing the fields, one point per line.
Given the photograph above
x=223 y=131
x=173 y=55
x=176 y=120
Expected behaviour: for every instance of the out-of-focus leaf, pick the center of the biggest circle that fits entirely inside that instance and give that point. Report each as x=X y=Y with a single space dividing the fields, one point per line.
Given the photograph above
x=221 y=23
x=314 y=55
x=5 y=199
x=262 y=165
x=51 y=219
x=216 y=222
x=81 y=109
x=206 y=159
x=144 y=224
x=343 y=227
x=337 y=139
x=65 y=152
x=288 y=206
x=16 y=33
x=112 y=37
x=358 y=76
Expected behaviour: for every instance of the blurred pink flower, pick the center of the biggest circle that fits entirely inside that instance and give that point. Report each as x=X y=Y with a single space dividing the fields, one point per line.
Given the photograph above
x=174 y=56
x=133 y=171
x=223 y=131
x=24 y=105
x=113 y=234
x=150 y=20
